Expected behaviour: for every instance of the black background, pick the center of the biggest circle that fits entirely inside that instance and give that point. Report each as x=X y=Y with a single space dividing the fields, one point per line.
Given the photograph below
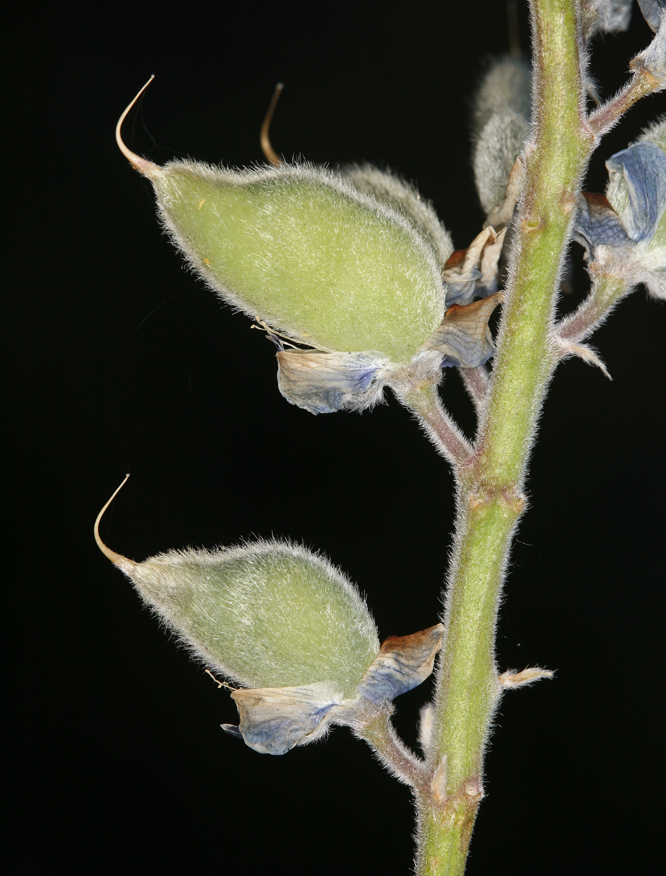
x=118 y=360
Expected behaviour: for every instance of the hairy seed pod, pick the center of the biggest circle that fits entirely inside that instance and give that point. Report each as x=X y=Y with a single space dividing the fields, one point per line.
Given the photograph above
x=501 y=126
x=306 y=251
x=267 y=614
x=350 y=264
x=285 y=623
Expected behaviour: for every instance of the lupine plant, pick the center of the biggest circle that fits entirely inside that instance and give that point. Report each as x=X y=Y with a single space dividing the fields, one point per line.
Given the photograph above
x=354 y=279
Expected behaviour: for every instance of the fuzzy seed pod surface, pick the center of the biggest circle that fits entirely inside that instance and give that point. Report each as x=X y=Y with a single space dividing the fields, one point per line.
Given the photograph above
x=267 y=615
x=302 y=249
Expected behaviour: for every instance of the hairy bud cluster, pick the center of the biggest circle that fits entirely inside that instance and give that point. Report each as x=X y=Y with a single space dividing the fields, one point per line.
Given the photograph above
x=501 y=124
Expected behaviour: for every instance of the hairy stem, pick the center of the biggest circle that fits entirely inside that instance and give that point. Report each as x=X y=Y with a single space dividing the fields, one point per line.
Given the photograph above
x=490 y=499
x=477 y=384
x=606 y=292
x=422 y=400
x=375 y=728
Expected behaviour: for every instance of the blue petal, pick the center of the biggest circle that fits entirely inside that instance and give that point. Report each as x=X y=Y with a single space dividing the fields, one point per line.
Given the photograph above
x=644 y=169
x=403 y=663
x=322 y=383
x=275 y=720
x=597 y=223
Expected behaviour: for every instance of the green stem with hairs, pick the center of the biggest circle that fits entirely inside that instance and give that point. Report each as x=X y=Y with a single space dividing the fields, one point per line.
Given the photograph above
x=490 y=483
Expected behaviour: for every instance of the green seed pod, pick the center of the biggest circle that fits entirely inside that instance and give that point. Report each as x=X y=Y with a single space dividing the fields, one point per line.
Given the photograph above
x=306 y=251
x=286 y=623
x=405 y=199
x=350 y=264
x=268 y=614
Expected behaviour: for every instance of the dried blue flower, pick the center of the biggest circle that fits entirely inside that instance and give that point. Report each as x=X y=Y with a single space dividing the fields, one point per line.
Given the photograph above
x=624 y=232
x=641 y=171
x=322 y=383
x=275 y=720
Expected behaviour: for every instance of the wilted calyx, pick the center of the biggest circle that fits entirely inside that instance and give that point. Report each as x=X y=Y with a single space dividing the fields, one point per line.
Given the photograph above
x=350 y=265
x=285 y=623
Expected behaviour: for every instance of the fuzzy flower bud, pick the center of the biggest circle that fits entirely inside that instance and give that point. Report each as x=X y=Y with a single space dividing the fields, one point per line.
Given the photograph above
x=501 y=126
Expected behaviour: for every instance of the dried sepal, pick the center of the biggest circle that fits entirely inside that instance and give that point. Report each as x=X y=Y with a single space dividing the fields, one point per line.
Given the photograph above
x=588 y=354
x=402 y=664
x=511 y=679
x=473 y=272
x=464 y=338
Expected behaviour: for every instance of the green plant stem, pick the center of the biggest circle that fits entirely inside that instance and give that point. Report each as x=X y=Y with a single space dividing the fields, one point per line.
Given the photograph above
x=490 y=499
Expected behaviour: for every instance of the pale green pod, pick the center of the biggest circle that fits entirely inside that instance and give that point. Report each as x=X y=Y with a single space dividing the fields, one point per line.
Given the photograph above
x=303 y=250
x=286 y=623
x=267 y=615
x=405 y=199
x=306 y=251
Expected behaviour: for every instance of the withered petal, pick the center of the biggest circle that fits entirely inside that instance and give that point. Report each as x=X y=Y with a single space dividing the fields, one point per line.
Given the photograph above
x=323 y=383
x=643 y=166
x=472 y=273
x=275 y=720
x=597 y=223
x=403 y=663
x=463 y=338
